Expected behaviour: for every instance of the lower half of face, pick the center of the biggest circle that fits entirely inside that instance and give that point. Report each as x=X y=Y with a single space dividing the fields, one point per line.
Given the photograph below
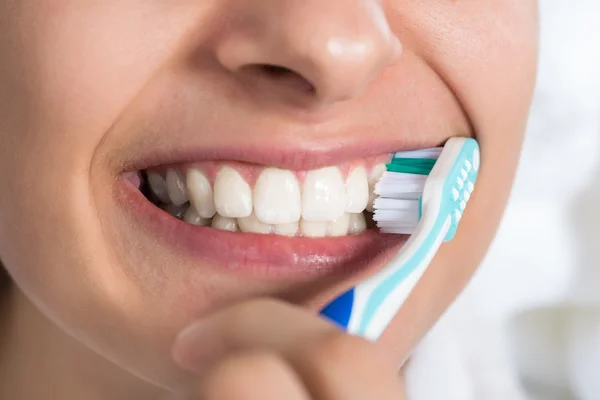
x=158 y=165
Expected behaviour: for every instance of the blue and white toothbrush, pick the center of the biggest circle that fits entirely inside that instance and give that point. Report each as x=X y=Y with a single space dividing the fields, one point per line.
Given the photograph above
x=430 y=207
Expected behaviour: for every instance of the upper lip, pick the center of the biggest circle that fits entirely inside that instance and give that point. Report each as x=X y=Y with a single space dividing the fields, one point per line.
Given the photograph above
x=295 y=148
x=166 y=130
x=292 y=156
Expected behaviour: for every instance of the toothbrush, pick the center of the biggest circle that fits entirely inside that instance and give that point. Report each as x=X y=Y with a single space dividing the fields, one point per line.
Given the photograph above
x=417 y=195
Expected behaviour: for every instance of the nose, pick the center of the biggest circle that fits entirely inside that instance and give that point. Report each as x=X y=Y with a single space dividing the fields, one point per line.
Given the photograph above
x=327 y=50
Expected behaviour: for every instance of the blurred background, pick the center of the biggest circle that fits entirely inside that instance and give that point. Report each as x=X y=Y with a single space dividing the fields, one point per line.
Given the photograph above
x=528 y=325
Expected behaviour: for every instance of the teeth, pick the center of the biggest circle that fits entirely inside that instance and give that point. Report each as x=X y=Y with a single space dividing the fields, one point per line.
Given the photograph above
x=277 y=198
x=326 y=206
x=176 y=187
x=176 y=211
x=339 y=227
x=192 y=217
x=233 y=196
x=357 y=191
x=253 y=225
x=323 y=197
x=158 y=186
x=290 y=229
x=313 y=229
x=200 y=193
x=357 y=224
x=225 y=224
x=374 y=176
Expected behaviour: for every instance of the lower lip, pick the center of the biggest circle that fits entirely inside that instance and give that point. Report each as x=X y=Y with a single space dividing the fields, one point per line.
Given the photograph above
x=266 y=255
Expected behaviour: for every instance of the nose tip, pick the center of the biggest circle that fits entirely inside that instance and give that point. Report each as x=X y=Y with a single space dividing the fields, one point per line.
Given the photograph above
x=338 y=49
x=340 y=68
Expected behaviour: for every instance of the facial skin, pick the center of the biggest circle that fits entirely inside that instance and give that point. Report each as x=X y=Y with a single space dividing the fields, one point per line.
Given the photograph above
x=88 y=86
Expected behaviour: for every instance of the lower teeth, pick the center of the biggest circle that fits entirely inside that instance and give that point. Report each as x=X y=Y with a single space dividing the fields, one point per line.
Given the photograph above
x=176 y=211
x=186 y=212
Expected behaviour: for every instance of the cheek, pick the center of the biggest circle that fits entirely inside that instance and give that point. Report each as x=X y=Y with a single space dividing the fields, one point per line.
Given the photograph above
x=74 y=86
x=486 y=52
x=72 y=71
x=68 y=79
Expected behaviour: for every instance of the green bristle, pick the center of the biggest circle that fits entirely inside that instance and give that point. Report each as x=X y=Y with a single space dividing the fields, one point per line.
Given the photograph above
x=416 y=166
x=426 y=162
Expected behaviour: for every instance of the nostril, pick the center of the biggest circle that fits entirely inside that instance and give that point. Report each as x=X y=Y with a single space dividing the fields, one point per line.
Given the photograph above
x=283 y=76
x=276 y=71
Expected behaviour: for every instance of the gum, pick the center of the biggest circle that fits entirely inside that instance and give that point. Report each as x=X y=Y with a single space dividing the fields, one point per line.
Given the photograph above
x=251 y=172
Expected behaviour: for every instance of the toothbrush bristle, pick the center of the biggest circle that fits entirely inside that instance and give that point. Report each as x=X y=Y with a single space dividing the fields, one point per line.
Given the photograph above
x=397 y=185
x=432 y=153
x=397 y=206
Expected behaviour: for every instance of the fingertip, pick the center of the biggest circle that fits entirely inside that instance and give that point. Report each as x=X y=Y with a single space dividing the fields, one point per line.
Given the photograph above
x=187 y=352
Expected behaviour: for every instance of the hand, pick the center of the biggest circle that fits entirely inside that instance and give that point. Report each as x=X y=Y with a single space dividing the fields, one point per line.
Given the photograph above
x=270 y=350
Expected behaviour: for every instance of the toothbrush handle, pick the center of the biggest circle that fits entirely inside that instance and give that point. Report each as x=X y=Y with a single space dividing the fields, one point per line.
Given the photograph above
x=340 y=309
x=377 y=300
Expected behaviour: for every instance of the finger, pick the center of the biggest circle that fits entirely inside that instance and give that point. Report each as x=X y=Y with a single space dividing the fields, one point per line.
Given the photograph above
x=262 y=324
x=250 y=376
x=332 y=365
x=344 y=367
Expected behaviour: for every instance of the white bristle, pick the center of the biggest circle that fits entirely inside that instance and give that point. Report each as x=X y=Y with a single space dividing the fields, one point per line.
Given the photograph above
x=384 y=203
x=396 y=217
x=403 y=177
x=399 y=185
x=433 y=153
x=397 y=207
x=399 y=230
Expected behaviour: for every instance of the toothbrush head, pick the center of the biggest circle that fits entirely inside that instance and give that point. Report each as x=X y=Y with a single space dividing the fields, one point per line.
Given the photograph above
x=458 y=169
x=441 y=178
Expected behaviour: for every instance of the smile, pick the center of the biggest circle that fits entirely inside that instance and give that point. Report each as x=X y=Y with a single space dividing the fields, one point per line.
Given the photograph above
x=327 y=202
x=251 y=217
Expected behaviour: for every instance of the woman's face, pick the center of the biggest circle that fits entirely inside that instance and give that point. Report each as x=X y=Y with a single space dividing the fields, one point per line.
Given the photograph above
x=219 y=90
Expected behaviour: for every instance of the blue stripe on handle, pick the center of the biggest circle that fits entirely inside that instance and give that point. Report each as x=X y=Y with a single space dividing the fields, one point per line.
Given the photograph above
x=340 y=309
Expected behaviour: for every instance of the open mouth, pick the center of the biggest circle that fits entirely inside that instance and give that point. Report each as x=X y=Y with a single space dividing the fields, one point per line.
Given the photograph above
x=278 y=221
x=333 y=201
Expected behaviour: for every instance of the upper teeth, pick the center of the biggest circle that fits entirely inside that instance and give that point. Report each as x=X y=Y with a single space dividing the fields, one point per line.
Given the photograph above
x=324 y=195
x=201 y=193
x=357 y=191
x=158 y=185
x=277 y=197
x=323 y=203
x=233 y=196
x=176 y=187
x=374 y=176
